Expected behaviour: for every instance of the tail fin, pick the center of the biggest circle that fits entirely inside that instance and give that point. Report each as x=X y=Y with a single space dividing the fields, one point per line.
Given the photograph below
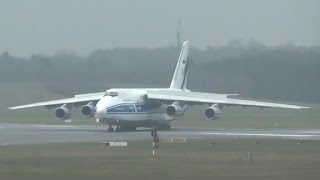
x=179 y=80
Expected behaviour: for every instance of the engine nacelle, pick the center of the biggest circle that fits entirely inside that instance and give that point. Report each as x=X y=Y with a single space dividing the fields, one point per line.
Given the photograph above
x=88 y=110
x=174 y=110
x=213 y=112
x=63 y=113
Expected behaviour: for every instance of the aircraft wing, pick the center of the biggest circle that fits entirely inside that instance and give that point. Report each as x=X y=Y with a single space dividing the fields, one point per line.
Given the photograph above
x=210 y=98
x=74 y=101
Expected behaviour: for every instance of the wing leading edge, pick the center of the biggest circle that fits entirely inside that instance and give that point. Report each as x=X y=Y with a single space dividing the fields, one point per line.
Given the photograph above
x=210 y=98
x=76 y=100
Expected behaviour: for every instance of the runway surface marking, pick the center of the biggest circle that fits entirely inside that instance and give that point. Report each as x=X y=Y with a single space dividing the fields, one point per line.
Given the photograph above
x=258 y=134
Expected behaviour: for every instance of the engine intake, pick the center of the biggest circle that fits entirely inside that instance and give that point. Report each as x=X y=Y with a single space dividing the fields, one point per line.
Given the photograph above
x=174 y=110
x=213 y=112
x=87 y=110
x=63 y=113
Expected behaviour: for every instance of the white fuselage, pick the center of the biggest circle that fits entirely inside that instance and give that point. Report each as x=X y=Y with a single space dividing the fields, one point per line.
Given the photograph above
x=120 y=106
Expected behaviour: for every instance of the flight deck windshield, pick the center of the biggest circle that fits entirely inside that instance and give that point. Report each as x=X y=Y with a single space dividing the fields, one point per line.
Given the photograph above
x=112 y=94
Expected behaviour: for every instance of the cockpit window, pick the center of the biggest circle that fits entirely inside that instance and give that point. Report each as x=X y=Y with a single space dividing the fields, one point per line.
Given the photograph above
x=112 y=94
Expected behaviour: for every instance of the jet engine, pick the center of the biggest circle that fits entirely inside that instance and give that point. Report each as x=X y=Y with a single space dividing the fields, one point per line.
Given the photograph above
x=174 y=110
x=88 y=110
x=63 y=112
x=213 y=112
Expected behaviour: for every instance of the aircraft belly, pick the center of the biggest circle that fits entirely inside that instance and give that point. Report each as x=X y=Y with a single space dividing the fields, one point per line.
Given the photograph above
x=137 y=116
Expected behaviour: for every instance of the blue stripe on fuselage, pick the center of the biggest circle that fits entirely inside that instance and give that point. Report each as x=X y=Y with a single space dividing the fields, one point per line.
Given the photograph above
x=134 y=108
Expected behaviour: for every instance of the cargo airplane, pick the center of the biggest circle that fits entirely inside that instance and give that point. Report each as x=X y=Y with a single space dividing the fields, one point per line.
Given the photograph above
x=129 y=108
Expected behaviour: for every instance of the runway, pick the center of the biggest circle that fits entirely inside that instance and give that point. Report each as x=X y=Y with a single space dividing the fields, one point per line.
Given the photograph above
x=35 y=134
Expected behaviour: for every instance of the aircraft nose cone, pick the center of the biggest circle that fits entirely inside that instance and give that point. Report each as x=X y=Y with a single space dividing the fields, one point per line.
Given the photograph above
x=101 y=108
x=100 y=112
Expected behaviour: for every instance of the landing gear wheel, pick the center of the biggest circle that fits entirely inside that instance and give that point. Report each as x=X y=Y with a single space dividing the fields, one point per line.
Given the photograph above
x=110 y=129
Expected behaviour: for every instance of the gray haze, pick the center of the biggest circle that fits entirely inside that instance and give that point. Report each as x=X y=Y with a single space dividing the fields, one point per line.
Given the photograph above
x=81 y=26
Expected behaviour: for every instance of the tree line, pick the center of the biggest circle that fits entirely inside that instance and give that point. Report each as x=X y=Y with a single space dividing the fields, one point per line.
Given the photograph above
x=284 y=73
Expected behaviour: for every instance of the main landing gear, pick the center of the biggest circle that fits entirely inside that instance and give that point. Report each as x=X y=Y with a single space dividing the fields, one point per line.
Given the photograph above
x=164 y=127
x=120 y=128
x=111 y=129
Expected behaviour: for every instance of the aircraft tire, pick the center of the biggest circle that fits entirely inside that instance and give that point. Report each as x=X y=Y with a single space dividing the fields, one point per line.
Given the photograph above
x=110 y=129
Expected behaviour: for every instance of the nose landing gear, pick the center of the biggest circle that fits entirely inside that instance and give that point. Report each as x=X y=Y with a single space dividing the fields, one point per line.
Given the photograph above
x=121 y=128
x=110 y=129
x=118 y=128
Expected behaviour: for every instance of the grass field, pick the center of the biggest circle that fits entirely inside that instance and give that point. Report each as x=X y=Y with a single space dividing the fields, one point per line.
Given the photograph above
x=237 y=117
x=196 y=159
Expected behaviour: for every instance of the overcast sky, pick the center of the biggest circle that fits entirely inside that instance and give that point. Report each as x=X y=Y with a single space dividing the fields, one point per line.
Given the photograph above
x=81 y=26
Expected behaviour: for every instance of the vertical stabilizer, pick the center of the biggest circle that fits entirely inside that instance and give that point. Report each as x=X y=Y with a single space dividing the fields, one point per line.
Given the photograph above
x=179 y=80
